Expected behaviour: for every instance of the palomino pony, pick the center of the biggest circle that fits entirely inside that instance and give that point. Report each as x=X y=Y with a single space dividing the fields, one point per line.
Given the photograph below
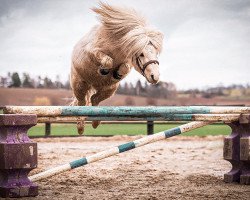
x=103 y=57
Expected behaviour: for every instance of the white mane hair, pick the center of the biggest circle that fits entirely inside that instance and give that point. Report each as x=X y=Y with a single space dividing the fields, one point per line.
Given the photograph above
x=127 y=30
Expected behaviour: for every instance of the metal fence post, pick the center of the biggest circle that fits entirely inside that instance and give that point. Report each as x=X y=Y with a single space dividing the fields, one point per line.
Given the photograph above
x=47 y=129
x=150 y=127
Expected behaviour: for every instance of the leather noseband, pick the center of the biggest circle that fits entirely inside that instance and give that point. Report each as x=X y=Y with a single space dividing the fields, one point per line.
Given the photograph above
x=144 y=66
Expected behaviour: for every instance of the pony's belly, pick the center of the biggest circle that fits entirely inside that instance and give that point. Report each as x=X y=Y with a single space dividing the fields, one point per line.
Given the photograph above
x=103 y=80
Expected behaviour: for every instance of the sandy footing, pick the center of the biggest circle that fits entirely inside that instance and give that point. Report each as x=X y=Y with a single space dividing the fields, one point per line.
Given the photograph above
x=177 y=168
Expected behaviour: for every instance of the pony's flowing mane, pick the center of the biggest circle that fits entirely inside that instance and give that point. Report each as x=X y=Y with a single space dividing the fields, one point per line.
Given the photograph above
x=127 y=30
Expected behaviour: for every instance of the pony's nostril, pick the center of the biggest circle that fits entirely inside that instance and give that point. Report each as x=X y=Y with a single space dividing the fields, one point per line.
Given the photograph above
x=153 y=78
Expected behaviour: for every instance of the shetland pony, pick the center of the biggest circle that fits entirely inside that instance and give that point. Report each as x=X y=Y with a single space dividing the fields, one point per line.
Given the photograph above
x=105 y=55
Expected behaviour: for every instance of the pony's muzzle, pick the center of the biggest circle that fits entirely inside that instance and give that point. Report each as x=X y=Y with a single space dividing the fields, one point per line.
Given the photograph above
x=154 y=79
x=152 y=74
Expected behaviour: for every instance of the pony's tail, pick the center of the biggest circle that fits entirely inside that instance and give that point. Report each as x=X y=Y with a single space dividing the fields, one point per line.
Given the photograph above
x=113 y=16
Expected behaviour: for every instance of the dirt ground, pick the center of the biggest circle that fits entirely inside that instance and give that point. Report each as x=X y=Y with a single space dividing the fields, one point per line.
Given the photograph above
x=177 y=168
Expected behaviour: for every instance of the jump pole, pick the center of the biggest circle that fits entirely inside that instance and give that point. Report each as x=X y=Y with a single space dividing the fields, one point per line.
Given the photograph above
x=119 y=149
x=123 y=111
x=170 y=117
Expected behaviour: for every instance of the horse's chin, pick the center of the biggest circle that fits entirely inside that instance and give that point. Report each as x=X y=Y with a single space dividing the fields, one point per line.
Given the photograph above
x=151 y=80
x=154 y=82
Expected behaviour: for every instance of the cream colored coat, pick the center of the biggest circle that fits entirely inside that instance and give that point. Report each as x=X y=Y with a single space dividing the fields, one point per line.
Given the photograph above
x=114 y=45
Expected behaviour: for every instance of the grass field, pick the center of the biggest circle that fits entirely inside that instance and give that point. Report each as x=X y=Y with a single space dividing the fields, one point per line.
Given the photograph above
x=126 y=129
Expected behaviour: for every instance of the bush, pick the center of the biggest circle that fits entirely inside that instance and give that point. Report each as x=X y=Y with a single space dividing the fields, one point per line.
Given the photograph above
x=129 y=101
x=151 y=102
x=42 y=101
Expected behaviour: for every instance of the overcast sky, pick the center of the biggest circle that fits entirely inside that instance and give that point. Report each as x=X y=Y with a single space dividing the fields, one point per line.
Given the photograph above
x=206 y=42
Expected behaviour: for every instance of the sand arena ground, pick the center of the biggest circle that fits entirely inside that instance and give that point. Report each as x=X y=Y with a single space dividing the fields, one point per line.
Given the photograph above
x=177 y=168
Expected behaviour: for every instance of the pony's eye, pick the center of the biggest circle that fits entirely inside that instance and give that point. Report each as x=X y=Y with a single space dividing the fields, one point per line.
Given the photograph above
x=142 y=55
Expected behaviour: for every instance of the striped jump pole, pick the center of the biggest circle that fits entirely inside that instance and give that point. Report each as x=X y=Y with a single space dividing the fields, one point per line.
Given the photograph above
x=123 y=111
x=120 y=149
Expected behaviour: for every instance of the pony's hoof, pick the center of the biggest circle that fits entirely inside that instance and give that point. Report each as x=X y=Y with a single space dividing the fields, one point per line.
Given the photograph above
x=104 y=72
x=95 y=124
x=80 y=128
x=124 y=69
x=117 y=76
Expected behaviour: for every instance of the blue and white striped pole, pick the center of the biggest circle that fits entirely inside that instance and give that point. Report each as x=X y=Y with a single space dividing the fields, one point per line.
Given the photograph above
x=121 y=148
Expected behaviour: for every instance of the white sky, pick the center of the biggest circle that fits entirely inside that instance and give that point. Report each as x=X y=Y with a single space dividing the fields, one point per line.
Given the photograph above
x=206 y=42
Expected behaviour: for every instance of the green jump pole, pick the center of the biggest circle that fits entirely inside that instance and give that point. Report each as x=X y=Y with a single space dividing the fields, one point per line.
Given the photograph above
x=114 y=111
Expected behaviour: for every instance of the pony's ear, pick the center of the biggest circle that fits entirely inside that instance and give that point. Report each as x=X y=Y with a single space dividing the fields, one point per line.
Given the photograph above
x=159 y=34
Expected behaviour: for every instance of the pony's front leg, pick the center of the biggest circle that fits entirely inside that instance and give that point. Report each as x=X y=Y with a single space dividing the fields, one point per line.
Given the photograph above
x=122 y=71
x=82 y=98
x=105 y=61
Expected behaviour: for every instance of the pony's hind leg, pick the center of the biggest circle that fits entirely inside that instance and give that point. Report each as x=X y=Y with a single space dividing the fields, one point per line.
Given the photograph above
x=81 y=91
x=101 y=95
x=87 y=102
x=80 y=124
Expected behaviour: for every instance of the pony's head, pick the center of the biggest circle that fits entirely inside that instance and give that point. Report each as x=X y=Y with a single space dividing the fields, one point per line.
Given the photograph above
x=147 y=64
x=132 y=40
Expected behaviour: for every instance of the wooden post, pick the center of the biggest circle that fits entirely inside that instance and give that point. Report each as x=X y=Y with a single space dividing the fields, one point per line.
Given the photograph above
x=237 y=151
x=47 y=129
x=150 y=127
x=18 y=156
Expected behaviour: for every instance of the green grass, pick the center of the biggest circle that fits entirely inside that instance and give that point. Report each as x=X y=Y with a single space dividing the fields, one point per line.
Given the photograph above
x=126 y=129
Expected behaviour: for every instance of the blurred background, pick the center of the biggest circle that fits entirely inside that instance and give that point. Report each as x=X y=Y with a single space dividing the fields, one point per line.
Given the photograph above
x=205 y=59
